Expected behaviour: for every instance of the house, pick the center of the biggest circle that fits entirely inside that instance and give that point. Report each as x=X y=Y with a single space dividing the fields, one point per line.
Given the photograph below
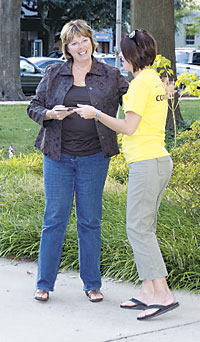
x=184 y=37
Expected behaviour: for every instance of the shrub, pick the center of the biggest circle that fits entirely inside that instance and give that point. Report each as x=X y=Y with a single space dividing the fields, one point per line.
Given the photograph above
x=21 y=211
x=118 y=169
x=185 y=181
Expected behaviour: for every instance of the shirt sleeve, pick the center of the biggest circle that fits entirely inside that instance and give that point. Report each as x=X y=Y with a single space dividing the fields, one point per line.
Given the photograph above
x=136 y=98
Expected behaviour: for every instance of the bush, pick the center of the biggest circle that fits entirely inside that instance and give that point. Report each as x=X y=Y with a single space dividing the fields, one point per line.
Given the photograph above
x=22 y=206
x=185 y=181
x=118 y=169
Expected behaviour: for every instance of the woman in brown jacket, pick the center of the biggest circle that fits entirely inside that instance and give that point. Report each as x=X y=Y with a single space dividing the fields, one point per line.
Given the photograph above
x=76 y=154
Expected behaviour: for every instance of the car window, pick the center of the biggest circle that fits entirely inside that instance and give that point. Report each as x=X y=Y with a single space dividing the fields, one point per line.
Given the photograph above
x=196 y=58
x=110 y=61
x=26 y=67
x=44 y=64
x=182 y=56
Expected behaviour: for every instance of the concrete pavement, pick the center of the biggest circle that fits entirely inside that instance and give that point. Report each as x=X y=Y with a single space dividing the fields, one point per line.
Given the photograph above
x=69 y=316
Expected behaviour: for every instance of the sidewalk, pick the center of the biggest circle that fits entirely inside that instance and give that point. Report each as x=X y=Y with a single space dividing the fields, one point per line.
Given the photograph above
x=68 y=316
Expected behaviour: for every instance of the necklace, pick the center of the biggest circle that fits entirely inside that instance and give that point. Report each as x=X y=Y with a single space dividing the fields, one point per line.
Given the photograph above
x=79 y=74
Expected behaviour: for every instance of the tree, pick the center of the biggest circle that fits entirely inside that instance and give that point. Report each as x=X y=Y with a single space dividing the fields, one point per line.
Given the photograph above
x=183 y=8
x=10 y=84
x=54 y=13
x=158 y=19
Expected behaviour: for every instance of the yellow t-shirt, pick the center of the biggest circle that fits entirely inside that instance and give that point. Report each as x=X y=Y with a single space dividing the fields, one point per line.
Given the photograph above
x=146 y=97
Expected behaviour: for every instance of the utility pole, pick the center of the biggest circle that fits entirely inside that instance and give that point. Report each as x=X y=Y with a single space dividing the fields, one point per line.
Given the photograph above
x=118 y=31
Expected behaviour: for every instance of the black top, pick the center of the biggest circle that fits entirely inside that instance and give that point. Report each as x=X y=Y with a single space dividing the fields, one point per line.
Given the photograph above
x=79 y=136
x=105 y=86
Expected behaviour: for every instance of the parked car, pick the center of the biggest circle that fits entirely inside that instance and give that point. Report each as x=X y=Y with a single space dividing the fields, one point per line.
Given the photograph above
x=187 y=60
x=55 y=54
x=110 y=58
x=42 y=62
x=30 y=76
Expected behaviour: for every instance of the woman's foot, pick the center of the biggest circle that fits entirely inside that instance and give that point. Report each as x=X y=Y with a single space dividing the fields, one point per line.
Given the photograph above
x=42 y=295
x=94 y=296
x=133 y=303
x=160 y=310
x=144 y=297
x=159 y=304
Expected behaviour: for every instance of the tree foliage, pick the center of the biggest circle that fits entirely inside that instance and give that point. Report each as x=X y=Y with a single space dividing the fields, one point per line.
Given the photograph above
x=54 y=13
x=182 y=9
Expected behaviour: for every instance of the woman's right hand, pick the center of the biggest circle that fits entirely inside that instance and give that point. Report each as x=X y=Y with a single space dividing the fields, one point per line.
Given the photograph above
x=58 y=112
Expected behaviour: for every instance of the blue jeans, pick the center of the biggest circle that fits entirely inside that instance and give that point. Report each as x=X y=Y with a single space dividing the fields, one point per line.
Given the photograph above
x=85 y=177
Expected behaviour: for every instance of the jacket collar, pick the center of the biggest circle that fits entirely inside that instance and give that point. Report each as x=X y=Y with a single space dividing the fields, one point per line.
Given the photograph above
x=66 y=68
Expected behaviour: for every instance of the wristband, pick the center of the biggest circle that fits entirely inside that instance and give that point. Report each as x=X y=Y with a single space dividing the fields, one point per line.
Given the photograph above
x=97 y=115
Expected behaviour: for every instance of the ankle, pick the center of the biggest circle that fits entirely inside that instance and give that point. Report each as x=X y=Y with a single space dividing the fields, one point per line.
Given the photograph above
x=147 y=289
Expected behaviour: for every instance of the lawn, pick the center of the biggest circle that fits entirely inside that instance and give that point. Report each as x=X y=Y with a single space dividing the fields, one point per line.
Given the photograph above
x=190 y=109
x=18 y=129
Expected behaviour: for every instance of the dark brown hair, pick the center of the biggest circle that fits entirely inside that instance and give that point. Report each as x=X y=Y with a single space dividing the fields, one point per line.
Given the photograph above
x=140 y=50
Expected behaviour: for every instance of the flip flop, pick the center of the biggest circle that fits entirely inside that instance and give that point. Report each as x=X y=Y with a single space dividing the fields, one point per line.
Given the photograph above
x=161 y=310
x=92 y=293
x=139 y=305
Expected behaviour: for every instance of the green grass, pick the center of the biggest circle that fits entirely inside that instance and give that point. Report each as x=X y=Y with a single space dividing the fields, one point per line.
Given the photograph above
x=190 y=109
x=17 y=128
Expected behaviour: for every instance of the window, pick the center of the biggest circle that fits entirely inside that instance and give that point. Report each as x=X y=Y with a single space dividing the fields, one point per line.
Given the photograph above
x=196 y=58
x=182 y=56
x=189 y=38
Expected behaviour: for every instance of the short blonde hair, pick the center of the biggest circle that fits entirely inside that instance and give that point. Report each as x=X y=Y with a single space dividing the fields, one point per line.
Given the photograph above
x=69 y=30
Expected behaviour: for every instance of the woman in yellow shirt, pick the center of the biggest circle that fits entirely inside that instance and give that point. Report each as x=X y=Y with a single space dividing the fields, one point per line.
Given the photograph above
x=150 y=167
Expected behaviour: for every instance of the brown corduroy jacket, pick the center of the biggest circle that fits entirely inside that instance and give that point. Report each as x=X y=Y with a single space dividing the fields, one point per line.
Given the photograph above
x=105 y=86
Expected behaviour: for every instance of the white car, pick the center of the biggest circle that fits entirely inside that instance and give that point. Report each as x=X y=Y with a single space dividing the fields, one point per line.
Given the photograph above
x=187 y=60
x=42 y=62
x=109 y=58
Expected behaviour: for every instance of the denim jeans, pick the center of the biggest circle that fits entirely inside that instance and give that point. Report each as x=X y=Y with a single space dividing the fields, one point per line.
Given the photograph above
x=85 y=177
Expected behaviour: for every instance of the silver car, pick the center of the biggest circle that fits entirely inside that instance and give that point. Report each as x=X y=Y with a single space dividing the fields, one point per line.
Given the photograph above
x=30 y=76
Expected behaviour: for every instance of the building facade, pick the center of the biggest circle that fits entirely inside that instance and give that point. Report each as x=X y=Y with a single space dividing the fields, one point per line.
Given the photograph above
x=185 y=37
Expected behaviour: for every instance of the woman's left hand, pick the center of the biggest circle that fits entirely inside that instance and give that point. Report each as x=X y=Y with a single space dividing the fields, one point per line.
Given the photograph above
x=170 y=87
x=86 y=111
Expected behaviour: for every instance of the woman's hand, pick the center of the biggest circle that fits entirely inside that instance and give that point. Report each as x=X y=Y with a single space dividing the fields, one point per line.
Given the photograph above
x=170 y=87
x=58 y=112
x=86 y=111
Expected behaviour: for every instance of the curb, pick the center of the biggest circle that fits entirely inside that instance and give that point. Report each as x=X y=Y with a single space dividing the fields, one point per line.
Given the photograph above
x=13 y=102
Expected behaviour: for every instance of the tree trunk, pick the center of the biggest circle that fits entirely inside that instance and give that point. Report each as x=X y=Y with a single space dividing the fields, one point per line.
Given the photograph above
x=50 y=23
x=51 y=37
x=157 y=17
x=10 y=82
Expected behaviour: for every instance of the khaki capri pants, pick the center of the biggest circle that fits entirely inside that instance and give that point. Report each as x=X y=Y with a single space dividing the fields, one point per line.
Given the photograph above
x=147 y=181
